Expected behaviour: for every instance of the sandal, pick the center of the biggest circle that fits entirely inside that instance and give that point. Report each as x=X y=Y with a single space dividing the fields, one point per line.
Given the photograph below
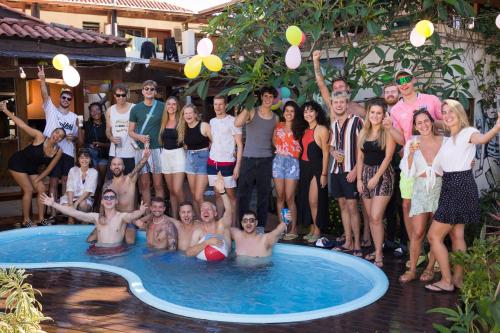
x=27 y=223
x=370 y=256
x=341 y=248
x=307 y=237
x=357 y=253
x=379 y=263
x=290 y=236
x=427 y=275
x=48 y=221
x=313 y=239
x=366 y=243
x=408 y=276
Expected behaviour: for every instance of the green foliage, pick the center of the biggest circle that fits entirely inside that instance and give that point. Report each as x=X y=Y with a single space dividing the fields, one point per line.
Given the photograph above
x=252 y=44
x=480 y=311
x=23 y=313
x=335 y=226
x=490 y=215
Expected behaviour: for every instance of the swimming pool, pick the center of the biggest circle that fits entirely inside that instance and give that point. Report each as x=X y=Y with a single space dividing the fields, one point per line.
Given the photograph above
x=298 y=283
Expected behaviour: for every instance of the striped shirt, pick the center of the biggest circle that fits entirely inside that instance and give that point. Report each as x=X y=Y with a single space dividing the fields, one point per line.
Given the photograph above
x=345 y=137
x=54 y=119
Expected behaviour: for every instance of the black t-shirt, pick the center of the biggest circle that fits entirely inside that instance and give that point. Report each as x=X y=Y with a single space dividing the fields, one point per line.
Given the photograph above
x=96 y=133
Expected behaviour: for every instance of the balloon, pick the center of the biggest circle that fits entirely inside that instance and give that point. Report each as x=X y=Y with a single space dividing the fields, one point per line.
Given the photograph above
x=497 y=21
x=71 y=76
x=60 y=61
x=277 y=105
x=293 y=35
x=416 y=39
x=213 y=63
x=285 y=92
x=192 y=67
x=293 y=57
x=204 y=47
x=425 y=28
x=303 y=40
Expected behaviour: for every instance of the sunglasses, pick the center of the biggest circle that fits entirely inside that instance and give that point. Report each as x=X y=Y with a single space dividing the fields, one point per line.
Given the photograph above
x=149 y=89
x=108 y=197
x=66 y=98
x=404 y=80
x=251 y=220
x=120 y=95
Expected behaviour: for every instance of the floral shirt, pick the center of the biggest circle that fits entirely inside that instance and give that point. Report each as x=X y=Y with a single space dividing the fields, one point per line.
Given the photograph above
x=285 y=143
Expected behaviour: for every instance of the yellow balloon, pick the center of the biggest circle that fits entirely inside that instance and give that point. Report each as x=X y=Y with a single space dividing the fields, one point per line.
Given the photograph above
x=60 y=61
x=192 y=67
x=425 y=28
x=277 y=105
x=213 y=63
x=294 y=35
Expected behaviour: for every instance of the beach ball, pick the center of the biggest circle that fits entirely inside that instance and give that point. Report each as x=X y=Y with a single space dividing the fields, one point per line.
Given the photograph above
x=416 y=39
x=293 y=58
x=293 y=35
x=213 y=253
x=425 y=28
x=60 y=61
x=71 y=76
x=204 y=47
x=213 y=63
x=192 y=67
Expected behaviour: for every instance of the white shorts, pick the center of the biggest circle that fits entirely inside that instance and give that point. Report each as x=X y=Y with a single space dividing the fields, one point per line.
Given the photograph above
x=64 y=200
x=173 y=161
x=229 y=181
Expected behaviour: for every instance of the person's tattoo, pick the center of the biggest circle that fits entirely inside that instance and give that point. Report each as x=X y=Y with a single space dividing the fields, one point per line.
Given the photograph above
x=172 y=237
x=137 y=168
x=317 y=71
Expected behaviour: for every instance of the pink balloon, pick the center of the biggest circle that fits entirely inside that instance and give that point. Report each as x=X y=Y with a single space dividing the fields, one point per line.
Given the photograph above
x=293 y=58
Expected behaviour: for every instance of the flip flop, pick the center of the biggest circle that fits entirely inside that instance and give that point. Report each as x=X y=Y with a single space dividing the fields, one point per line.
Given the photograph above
x=427 y=275
x=313 y=239
x=433 y=288
x=341 y=248
x=307 y=237
x=370 y=257
x=366 y=243
x=379 y=263
x=357 y=253
x=290 y=237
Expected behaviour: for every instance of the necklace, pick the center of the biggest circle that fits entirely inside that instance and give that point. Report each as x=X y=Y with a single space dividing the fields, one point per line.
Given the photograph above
x=159 y=222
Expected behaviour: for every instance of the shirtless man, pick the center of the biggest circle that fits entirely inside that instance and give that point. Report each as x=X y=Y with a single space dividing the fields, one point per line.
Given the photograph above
x=250 y=243
x=125 y=187
x=338 y=85
x=110 y=225
x=218 y=230
x=161 y=233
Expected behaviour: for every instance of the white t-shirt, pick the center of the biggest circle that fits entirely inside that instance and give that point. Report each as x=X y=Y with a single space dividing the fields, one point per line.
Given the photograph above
x=54 y=119
x=77 y=186
x=223 y=144
x=456 y=153
x=119 y=128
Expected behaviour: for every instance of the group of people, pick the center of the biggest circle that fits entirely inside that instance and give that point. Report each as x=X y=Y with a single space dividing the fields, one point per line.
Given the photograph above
x=348 y=151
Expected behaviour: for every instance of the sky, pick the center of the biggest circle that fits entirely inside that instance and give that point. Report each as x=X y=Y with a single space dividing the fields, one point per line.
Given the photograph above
x=196 y=5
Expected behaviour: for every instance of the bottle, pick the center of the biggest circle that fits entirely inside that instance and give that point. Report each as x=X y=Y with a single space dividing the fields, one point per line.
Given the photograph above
x=284 y=214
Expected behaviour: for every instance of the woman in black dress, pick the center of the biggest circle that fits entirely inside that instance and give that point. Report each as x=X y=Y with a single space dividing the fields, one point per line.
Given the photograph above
x=311 y=127
x=24 y=165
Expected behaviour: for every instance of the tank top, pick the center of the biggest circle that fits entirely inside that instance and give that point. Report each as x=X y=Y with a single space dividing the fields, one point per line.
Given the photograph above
x=259 y=133
x=169 y=139
x=310 y=149
x=119 y=128
x=35 y=155
x=193 y=138
x=374 y=155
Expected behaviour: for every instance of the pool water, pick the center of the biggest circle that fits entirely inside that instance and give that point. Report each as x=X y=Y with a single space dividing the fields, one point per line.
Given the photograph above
x=294 y=280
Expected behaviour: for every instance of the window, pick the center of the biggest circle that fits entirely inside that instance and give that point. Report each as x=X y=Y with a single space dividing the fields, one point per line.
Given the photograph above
x=137 y=32
x=91 y=26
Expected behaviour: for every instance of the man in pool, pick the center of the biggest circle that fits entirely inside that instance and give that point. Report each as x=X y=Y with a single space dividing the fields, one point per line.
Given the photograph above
x=125 y=187
x=110 y=225
x=161 y=233
x=251 y=244
x=212 y=232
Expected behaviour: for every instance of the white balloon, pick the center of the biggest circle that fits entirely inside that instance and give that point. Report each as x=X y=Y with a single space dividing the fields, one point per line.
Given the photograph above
x=293 y=58
x=71 y=76
x=416 y=39
x=497 y=21
x=205 y=47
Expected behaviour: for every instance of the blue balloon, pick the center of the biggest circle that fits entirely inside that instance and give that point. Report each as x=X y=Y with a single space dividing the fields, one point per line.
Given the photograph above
x=285 y=92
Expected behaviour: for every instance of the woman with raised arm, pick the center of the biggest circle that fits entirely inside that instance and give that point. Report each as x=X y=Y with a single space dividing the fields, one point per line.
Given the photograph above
x=459 y=200
x=24 y=165
x=196 y=136
x=173 y=156
x=375 y=176
x=419 y=162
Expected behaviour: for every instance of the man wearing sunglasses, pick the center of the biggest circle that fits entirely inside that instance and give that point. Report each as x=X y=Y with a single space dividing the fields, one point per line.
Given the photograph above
x=110 y=226
x=400 y=126
x=59 y=117
x=144 y=128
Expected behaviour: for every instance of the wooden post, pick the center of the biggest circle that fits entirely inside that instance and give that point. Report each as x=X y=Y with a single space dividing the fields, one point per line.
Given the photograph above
x=79 y=99
x=22 y=110
x=35 y=10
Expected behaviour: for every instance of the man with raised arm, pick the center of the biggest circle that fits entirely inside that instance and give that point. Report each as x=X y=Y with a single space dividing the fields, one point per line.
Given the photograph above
x=125 y=187
x=59 y=117
x=161 y=233
x=339 y=85
x=210 y=231
x=110 y=225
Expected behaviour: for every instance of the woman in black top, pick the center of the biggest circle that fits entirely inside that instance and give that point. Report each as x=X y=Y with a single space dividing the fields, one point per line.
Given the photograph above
x=375 y=176
x=173 y=156
x=95 y=139
x=24 y=165
x=196 y=137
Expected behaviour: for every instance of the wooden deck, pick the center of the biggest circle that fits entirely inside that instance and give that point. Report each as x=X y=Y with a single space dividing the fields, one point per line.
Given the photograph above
x=92 y=301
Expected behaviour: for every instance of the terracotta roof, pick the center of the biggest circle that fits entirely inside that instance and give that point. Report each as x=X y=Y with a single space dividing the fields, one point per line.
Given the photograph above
x=26 y=26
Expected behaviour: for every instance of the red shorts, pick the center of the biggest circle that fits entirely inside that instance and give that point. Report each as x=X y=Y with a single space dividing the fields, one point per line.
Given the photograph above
x=103 y=251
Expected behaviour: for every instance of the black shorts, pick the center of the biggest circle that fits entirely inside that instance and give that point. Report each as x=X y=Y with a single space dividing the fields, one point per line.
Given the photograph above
x=341 y=188
x=129 y=164
x=63 y=166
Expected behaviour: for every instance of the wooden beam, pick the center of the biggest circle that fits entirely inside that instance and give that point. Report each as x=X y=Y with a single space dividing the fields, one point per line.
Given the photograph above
x=22 y=109
x=79 y=99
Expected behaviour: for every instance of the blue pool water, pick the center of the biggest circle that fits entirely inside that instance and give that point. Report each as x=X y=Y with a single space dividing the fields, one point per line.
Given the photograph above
x=296 y=283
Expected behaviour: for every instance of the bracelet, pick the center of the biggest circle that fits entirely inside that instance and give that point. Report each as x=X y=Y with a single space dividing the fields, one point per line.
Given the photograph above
x=222 y=193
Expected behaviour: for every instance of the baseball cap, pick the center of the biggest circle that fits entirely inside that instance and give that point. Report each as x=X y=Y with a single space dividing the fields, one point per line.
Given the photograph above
x=403 y=71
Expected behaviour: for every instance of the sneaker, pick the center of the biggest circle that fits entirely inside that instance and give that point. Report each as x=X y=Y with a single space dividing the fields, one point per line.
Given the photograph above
x=324 y=242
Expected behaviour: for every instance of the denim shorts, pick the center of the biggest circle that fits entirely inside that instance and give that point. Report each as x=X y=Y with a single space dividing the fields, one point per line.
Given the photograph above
x=286 y=167
x=196 y=162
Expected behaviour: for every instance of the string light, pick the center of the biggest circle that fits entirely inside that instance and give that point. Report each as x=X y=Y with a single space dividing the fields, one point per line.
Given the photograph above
x=22 y=74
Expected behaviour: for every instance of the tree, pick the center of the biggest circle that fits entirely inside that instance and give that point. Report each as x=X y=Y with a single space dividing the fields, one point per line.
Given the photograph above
x=250 y=39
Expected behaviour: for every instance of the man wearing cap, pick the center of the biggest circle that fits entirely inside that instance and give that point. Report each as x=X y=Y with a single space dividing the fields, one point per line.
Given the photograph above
x=400 y=125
